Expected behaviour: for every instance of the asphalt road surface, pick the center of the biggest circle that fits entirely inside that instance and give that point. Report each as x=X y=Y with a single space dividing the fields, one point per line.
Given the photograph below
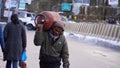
x=82 y=54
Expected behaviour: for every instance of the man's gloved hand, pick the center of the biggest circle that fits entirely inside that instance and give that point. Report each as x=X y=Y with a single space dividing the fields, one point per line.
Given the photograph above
x=24 y=49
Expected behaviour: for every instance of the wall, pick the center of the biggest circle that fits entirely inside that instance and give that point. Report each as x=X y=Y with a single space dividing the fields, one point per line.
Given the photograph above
x=99 y=30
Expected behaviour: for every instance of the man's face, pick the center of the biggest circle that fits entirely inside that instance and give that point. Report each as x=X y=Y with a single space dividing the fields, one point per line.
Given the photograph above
x=14 y=19
x=57 y=31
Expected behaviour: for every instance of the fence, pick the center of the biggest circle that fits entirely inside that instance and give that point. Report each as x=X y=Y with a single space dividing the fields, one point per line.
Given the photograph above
x=101 y=30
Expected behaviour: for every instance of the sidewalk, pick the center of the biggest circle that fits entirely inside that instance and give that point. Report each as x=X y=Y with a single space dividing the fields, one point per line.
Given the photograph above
x=2 y=63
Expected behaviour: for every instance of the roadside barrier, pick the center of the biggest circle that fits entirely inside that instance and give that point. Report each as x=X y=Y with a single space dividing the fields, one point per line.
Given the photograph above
x=100 y=30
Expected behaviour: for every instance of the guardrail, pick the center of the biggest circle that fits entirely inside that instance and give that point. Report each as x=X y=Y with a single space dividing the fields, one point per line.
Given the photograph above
x=105 y=31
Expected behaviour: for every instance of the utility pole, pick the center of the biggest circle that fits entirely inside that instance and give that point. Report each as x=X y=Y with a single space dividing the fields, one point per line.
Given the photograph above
x=104 y=9
x=118 y=3
x=17 y=6
x=9 y=11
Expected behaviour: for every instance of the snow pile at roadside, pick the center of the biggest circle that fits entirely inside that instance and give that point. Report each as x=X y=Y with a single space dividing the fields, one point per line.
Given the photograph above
x=92 y=39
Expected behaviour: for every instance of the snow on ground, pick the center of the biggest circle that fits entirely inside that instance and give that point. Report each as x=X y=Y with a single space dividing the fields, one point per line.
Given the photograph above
x=95 y=40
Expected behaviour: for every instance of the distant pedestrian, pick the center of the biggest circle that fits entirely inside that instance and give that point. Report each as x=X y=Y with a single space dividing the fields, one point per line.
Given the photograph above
x=15 y=41
x=2 y=39
x=111 y=20
x=54 y=46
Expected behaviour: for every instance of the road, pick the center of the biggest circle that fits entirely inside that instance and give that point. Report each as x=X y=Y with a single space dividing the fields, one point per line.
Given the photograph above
x=82 y=54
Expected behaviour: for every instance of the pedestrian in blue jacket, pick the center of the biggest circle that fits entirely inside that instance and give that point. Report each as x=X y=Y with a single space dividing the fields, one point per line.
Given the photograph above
x=2 y=39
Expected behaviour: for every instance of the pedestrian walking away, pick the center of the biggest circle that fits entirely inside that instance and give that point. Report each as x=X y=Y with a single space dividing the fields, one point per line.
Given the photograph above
x=15 y=41
x=54 y=46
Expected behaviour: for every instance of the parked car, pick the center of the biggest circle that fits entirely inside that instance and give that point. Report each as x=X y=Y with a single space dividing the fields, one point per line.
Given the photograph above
x=27 y=18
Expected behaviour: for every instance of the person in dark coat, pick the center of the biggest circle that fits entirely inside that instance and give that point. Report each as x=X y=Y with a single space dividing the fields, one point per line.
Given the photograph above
x=2 y=39
x=54 y=46
x=111 y=20
x=15 y=41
